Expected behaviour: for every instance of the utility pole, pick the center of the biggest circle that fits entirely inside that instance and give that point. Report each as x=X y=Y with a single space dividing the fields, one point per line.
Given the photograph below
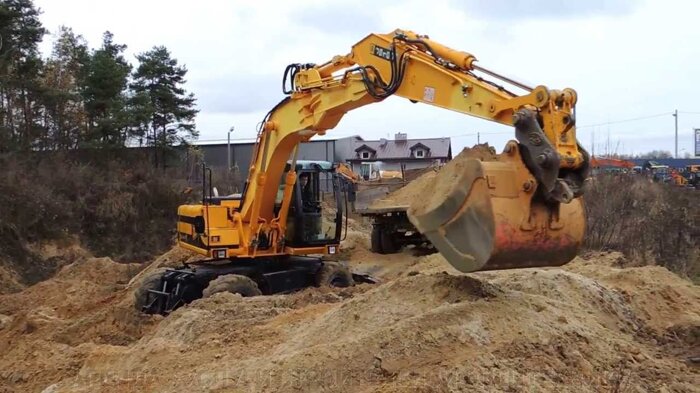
x=478 y=138
x=675 y=114
x=228 y=149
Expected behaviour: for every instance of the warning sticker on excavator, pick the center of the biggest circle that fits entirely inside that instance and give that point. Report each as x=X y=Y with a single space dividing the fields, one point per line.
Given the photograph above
x=429 y=94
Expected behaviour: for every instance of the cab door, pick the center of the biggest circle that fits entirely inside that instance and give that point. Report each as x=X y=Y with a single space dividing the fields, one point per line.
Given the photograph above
x=315 y=216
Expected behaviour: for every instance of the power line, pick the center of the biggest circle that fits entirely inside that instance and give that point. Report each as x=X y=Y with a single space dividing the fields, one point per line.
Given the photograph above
x=625 y=120
x=508 y=132
x=480 y=133
x=224 y=140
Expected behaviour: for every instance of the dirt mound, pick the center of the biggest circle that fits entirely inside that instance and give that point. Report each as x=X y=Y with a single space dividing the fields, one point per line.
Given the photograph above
x=176 y=257
x=10 y=280
x=667 y=304
x=592 y=326
x=426 y=184
x=32 y=263
x=48 y=330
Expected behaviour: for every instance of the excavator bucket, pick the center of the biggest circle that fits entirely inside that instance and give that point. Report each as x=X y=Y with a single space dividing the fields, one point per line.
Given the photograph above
x=484 y=214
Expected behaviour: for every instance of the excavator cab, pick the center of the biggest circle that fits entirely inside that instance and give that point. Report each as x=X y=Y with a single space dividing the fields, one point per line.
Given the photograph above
x=316 y=210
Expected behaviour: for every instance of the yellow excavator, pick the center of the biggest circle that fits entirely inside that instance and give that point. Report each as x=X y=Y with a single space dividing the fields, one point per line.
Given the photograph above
x=522 y=210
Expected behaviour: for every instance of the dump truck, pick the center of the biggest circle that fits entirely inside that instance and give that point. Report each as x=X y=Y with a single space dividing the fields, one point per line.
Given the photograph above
x=386 y=204
x=391 y=228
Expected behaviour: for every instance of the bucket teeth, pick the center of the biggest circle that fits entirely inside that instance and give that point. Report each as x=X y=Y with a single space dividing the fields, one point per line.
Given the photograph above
x=485 y=215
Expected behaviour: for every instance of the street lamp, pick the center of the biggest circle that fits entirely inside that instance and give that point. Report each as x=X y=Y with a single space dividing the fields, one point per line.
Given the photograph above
x=228 y=148
x=675 y=114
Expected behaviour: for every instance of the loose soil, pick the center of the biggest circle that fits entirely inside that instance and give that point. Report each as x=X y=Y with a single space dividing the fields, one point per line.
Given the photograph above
x=591 y=326
x=599 y=324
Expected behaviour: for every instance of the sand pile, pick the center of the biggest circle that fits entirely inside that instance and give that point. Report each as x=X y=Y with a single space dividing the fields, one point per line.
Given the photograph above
x=49 y=328
x=10 y=280
x=426 y=184
x=32 y=263
x=590 y=327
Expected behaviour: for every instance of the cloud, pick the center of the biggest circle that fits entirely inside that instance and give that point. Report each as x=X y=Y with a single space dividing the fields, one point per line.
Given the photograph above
x=240 y=93
x=340 y=18
x=236 y=51
x=545 y=9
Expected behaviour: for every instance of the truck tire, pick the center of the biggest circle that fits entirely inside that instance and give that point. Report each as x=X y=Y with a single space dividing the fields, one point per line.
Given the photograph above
x=233 y=283
x=333 y=274
x=376 y=239
x=388 y=242
x=152 y=281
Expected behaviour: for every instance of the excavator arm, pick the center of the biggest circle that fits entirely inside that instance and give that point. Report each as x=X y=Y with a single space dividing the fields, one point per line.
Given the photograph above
x=522 y=210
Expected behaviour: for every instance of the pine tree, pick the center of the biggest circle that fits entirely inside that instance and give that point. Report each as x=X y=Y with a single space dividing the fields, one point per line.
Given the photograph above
x=20 y=66
x=104 y=90
x=158 y=81
x=65 y=117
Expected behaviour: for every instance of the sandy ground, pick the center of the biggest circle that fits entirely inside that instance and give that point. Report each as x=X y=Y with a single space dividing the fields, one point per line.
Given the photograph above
x=591 y=326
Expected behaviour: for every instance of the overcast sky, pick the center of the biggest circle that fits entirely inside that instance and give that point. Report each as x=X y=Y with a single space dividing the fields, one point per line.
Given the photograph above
x=626 y=59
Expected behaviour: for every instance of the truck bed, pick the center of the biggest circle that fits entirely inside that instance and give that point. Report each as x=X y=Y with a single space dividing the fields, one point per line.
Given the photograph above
x=370 y=211
x=375 y=200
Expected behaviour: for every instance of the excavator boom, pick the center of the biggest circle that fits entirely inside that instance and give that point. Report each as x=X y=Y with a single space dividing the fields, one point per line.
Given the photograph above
x=522 y=210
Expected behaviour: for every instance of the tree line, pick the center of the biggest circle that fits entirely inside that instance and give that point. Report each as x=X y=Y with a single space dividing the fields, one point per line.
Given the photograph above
x=650 y=155
x=78 y=97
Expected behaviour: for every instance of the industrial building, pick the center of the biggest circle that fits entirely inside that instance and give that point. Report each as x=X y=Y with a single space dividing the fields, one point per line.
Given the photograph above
x=362 y=155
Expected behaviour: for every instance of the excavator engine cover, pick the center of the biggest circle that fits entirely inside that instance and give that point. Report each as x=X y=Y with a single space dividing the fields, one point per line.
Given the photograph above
x=487 y=215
